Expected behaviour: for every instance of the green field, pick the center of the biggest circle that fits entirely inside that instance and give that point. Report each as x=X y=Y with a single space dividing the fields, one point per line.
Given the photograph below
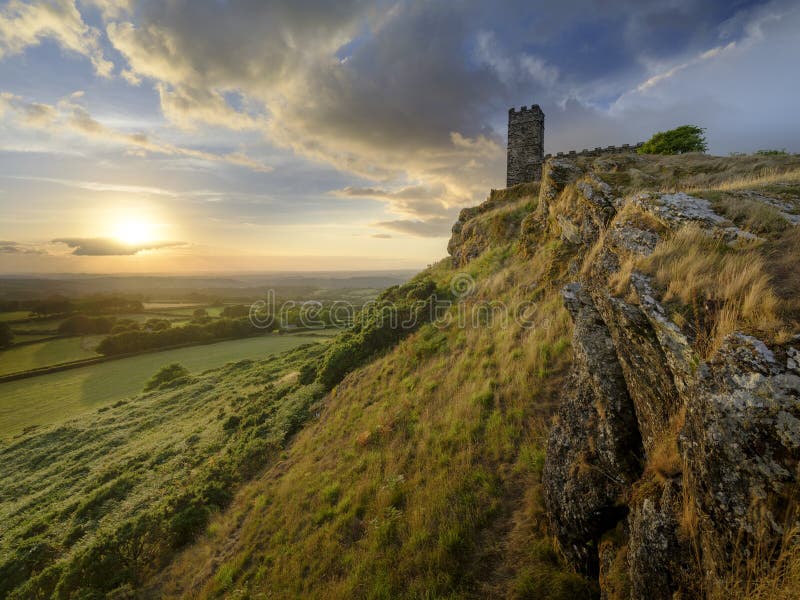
x=20 y=338
x=38 y=324
x=14 y=315
x=50 y=352
x=50 y=398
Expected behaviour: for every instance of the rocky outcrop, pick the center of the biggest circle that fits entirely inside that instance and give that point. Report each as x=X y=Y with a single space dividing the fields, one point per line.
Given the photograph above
x=665 y=472
x=635 y=374
x=594 y=449
x=741 y=443
x=481 y=226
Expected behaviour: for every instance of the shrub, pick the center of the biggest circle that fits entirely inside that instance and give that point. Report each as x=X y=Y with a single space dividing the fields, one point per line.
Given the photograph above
x=166 y=375
x=686 y=138
x=157 y=324
x=772 y=152
x=399 y=311
x=235 y=312
x=137 y=341
x=83 y=325
x=6 y=335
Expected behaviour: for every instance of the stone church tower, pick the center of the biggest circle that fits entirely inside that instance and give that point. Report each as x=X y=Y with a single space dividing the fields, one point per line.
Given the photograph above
x=525 y=145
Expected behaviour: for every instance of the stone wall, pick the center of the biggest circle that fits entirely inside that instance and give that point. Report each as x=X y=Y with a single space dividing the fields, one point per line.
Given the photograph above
x=624 y=149
x=525 y=145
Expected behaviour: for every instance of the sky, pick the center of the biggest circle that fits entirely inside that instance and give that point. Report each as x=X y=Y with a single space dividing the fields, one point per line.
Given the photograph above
x=183 y=136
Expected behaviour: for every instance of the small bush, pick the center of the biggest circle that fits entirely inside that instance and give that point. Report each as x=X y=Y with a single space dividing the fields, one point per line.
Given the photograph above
x=772 y=152
x=166 y=375
x=6 y=335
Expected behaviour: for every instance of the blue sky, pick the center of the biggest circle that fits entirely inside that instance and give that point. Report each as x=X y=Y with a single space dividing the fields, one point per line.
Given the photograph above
x=263 y=135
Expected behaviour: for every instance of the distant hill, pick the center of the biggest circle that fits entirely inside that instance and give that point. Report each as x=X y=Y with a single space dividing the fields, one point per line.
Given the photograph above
x=166 y=286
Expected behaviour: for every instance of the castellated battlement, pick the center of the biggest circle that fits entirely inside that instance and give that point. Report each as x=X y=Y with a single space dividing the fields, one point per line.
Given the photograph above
x=533 y=111
x=624 y=149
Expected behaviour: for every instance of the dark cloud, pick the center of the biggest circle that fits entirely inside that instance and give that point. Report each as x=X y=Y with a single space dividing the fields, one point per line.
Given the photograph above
x=437 y=227
x=110 y=247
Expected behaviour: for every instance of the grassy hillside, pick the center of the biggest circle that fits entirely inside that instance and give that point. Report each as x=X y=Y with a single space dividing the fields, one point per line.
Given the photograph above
x=94 y=504
x=421 y=476
x=47 y=399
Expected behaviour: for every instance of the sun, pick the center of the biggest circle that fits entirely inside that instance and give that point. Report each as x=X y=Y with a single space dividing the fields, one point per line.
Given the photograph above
x=134 y=231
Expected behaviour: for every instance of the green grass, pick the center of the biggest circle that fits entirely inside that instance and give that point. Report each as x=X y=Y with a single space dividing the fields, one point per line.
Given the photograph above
x=50 y=352
x=92 y=504
x=39 y=324
x=51 y=398
x=15 y=315
x=31 y=337
x=421 y=476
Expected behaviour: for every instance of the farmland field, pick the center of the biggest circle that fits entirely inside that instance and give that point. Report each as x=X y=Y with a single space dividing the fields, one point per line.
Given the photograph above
x=46 y=353
x=14 y=315
x=50 y=398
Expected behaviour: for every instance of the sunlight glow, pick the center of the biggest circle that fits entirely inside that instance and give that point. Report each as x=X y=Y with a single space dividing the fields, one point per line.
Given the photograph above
x=134 y=231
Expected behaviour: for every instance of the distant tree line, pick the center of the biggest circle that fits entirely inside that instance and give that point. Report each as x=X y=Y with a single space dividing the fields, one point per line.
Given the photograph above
x=61 y=305
x=138 y=340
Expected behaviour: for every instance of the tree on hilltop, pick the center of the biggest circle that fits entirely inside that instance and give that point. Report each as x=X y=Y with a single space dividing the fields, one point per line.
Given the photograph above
x=686 y=138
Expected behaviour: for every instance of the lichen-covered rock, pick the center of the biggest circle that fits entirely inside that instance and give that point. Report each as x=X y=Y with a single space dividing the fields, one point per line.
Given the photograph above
x=683 y=209
x=558 y=173
x=741 y=443
x=482 y=226
x=658 y=560
x=594 y=449
x=649 y=380
x=649 y=518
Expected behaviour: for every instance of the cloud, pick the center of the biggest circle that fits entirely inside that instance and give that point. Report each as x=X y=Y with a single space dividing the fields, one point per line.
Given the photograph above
x=513 y=68
x=381 y=236
x=27 y=24
x=110 y=247
x=432 y=228
x=68 y=116
x=730 y=89
x=7 y=247
x=110 y=9
x=413 y=98
x=410 y=97
x=96 y=186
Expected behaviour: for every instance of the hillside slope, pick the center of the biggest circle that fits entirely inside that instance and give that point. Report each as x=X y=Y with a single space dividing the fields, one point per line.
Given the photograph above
x=650 y=304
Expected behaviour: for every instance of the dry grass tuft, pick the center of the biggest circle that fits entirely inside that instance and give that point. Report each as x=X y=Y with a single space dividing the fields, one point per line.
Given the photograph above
x=767 y=176
x=765 y=577
x=664 y=461
x=754 y=216
x=723 y=288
